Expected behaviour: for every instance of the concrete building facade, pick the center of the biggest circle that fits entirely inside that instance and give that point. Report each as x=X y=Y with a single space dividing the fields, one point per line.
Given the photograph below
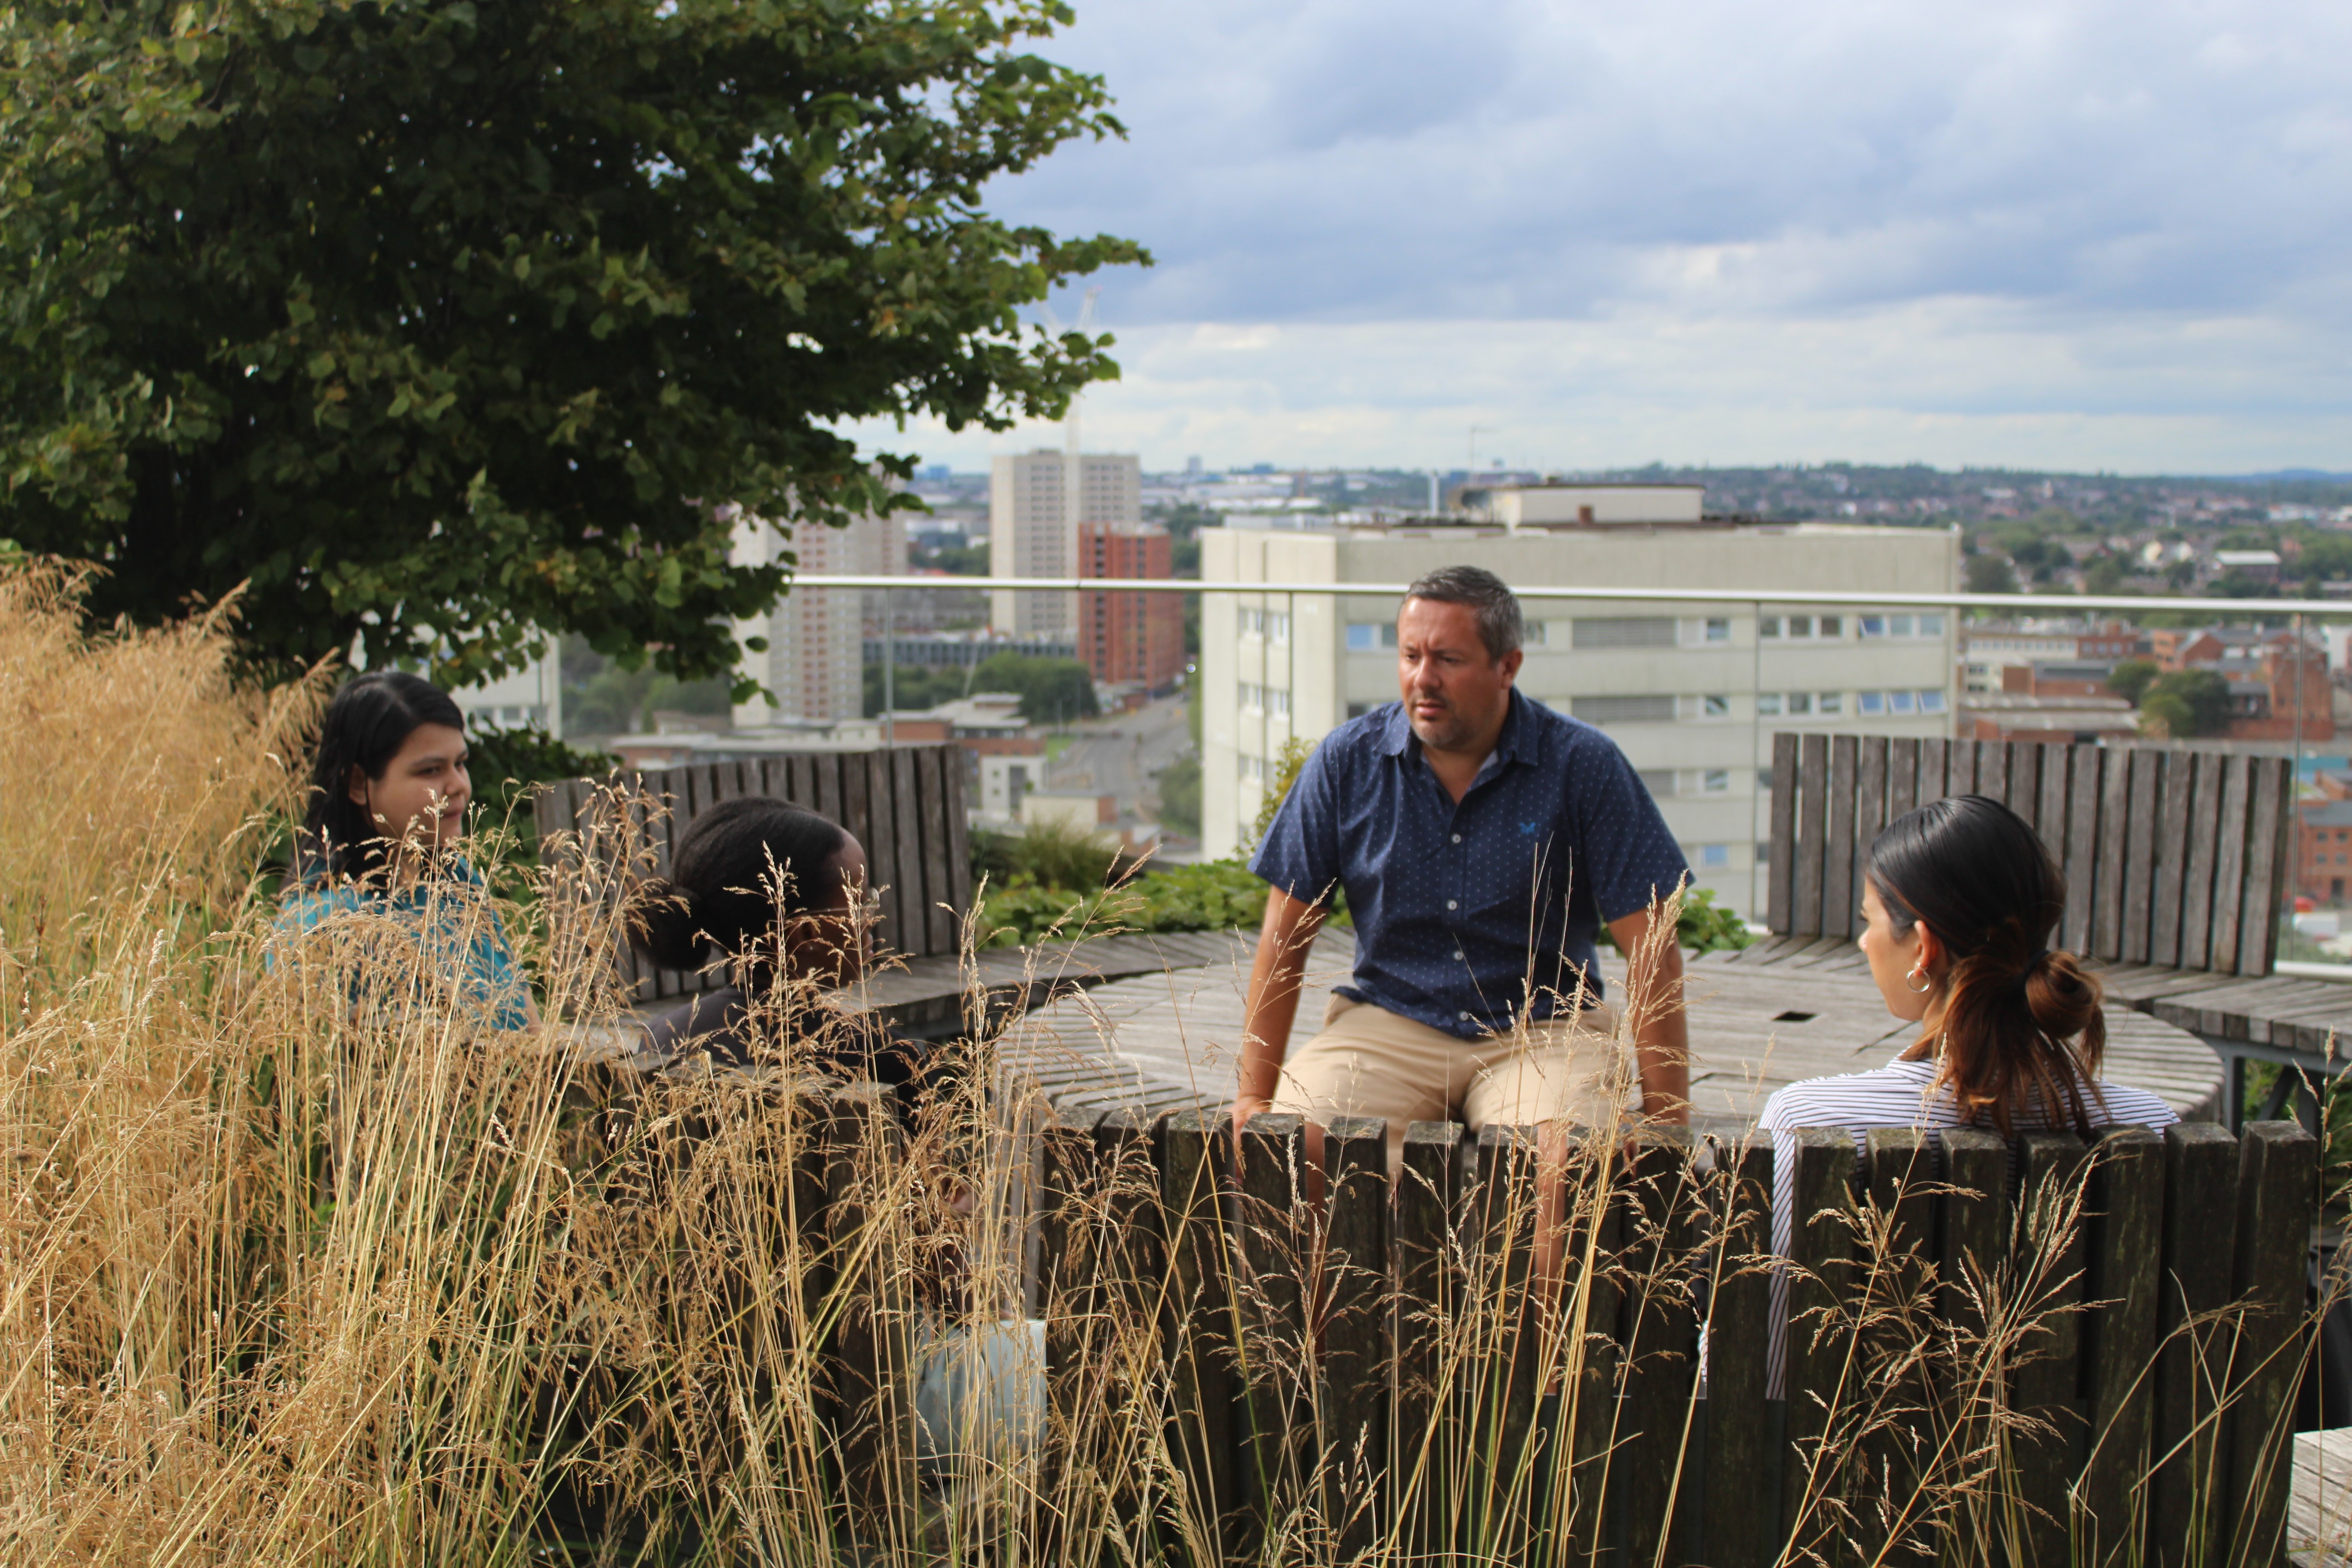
x=1692 y=692
x=1034 y=511
x=814 y=664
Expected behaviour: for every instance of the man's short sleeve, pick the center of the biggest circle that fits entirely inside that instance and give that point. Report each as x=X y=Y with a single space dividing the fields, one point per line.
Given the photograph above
x=1629 y=855
x=1301 y=852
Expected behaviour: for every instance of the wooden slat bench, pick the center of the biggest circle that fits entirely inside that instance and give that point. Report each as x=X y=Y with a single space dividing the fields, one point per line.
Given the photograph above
x=2177 y=869
x=1409 y=1407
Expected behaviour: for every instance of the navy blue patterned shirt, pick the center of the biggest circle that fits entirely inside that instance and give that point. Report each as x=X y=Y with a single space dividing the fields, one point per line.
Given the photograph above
x=1467 y=915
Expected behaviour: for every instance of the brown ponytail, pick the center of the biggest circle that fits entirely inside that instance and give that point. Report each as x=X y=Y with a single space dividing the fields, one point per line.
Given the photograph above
x=2022 y=1025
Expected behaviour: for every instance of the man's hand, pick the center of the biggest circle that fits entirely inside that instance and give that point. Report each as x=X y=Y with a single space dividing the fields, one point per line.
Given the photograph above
x=1271 y=1006
x=1654 y=1000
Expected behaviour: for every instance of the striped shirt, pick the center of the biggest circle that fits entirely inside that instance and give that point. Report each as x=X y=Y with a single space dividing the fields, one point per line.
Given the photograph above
x=1900 y=1094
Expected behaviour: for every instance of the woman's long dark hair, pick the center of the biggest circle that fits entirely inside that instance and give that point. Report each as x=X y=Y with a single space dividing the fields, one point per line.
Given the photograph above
x=366 y=725
x=2020 y=1020
x=720 y=875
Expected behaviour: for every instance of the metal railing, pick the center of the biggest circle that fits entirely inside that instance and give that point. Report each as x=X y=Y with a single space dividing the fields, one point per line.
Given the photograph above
x=1760 y=603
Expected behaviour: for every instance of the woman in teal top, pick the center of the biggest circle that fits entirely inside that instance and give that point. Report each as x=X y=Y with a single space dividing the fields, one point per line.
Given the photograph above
x=388 y=797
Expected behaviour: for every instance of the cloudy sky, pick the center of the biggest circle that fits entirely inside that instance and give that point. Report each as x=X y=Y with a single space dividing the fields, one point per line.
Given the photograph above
x=2077 y=233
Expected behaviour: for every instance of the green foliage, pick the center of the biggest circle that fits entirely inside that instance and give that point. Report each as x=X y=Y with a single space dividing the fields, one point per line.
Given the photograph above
x=1704 y=925
x=913 y=688
x=1990 y=575
x=1053 y=690
x=435 y=322
x=2186 y=703
x=2104 y=574
x=960 y=559
x=2131 y=679
x=1219 y=895
x=1051 y=854
x=1287 y=764
x=1179 y=797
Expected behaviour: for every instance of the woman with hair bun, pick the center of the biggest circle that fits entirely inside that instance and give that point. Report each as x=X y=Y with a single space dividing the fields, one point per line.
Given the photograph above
x=1961 y=899
x=780 y=894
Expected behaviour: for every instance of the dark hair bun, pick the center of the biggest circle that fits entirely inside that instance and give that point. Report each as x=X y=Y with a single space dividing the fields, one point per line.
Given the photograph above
x=664 y=928
x=2066 y=1001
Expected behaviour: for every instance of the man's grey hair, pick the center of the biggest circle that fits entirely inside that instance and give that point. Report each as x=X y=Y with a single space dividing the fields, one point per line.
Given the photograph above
x=1500 y=626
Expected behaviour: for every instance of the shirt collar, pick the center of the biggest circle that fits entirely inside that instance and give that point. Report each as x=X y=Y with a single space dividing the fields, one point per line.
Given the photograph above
x=1519 y=731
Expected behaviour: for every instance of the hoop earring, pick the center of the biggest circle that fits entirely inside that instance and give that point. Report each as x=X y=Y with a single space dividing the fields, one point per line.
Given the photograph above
x=1917 y=990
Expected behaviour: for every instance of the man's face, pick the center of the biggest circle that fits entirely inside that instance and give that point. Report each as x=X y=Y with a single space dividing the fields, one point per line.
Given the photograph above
x=1454 y=692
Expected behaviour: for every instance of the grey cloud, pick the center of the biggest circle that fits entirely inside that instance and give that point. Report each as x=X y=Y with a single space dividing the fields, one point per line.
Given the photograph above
x=1377 y=159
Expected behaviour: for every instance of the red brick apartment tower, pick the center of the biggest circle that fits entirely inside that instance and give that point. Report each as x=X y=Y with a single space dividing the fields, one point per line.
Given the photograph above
x=1128 y=638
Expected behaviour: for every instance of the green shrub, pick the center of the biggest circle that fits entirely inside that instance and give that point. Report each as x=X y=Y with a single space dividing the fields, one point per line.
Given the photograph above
x=1704 y=925
x=1217 y=896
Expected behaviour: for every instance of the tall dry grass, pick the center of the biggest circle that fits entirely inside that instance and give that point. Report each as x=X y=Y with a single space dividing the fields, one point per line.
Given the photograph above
x=303 y=1268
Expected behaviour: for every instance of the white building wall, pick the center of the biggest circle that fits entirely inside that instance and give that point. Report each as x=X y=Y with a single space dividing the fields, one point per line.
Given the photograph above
x=1033 y=530
x=816 y=637
x=1264 y=681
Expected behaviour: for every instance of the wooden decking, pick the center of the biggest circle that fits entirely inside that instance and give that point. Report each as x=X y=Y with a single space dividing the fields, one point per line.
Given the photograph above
x=1165 y=1040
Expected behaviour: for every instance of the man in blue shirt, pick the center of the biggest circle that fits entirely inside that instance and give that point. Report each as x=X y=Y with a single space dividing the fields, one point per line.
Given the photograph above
x=1482 y=840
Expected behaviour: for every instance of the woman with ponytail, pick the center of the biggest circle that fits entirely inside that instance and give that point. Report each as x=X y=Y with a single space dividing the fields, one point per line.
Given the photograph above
x=1960 y=899
x=779 y=894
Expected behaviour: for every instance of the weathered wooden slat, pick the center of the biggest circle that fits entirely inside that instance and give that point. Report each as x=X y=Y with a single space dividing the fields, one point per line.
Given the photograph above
x=2050 y=807
x=1902 y=777
x=1499 y=1388
x=2171 y=856
x=1360 y=1341
x=1935 y=769
x=2023 y=792
x=2230 y=864
x=827 y=790
x=1661 y=1348
x=1990 y=759
x=2278 y=1194
x=1743 y=1476
x=932 y=766
x=2081 y=848
x=1870 y=818
x=1813 y=828
x=1838 y=855
x=1817 y=1346
x=1590 y=1412
x=2126 y=1249
x=1198 y=1331
x=2049 y=1364
x=1274 y=1342
x=1780 y=884
x=872 y=1358
x=2200 y=1220
x=2107 y=901
x=2140 y=856
x=959 y=885
x=1900 y=1172
x=2197 y=879
x=1976 y=1224
x=1428 y=1294
x=906 y=814
x=2269 y=872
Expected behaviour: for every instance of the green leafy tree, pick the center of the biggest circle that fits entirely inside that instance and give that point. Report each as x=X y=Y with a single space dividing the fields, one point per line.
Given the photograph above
x=2131 y=679
x=1179 y=797
x=2186 y=703
x=1990 y=575
x=1053 y=690
x=437 y=323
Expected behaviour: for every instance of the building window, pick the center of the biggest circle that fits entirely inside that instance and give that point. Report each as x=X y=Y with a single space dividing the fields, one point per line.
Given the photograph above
x=1901 y=702
x=1624 y=631
x=1277 y=702
x=1714 y=856
x=1537 y=633
x=1718 y=630
x=1768 y=704
x=1363 y=637
x=1763 y=781
x=1277 y=624
x=1769 y=626
x=1931 y=625
x=1763 y=852
x=1873 y=625
x=1358 y=710
x=1659 y=781
x=1715 y=706
x=1621 y=709
x=1716 y=781
x=1871 y=703
x=1832 y=627
x=1829 y=702
x=1931 y=702
x=1253 y=770
x=1252 y=622
x=1801 y=702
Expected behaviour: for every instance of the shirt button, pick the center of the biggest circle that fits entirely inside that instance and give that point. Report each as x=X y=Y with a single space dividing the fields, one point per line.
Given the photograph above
x=1451 y=904
x=1463 y=1016
x=1457 y=955
x=1458 y=839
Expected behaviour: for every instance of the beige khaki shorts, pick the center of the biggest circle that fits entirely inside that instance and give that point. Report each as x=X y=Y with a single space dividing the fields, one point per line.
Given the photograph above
x=1368 y=1061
